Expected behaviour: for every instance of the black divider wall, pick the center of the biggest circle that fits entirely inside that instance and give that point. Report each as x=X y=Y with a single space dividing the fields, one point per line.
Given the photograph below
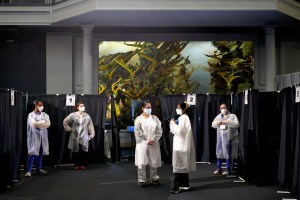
x=259 y=137
x=168 y=105
x=10 y=137
x=205 y=110
x=55 y=107
x=206 y=147
x=289 y=157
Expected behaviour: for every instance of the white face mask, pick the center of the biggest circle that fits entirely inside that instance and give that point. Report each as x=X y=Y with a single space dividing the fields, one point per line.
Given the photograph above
x=41 y=108
x=178 y=111
x=147 y=111
x=224 y=111
x=82 y=109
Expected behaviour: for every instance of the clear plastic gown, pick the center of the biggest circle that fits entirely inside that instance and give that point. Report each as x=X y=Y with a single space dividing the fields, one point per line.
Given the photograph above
x=144 y=130
x=183 y=158
x=37 y=133
x=227 y=139
x=81 y=128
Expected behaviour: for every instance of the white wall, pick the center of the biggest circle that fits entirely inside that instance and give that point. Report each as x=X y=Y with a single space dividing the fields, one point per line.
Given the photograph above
x=289 y=57
x=59 y=51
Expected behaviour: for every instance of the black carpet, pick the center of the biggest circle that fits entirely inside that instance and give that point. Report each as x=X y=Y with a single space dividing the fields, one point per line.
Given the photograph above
x=118 y=181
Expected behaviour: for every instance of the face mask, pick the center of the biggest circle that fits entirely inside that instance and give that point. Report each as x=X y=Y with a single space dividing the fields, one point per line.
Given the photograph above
x=178 y=111
x=224 y=111
x=82 y=109
x=147 y=111
x=41 y=108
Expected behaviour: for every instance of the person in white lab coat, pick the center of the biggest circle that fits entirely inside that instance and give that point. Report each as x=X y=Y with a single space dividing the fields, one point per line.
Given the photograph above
x=37 y=138
x=81 y=132
x=227 y=125
x=183 y=158
x=147 y=131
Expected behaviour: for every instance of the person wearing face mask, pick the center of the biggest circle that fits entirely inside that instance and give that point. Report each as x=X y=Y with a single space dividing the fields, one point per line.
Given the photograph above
x=81 y=129
x=227 y=125
x=147 y=131
x=183 y=156
x=37 y=138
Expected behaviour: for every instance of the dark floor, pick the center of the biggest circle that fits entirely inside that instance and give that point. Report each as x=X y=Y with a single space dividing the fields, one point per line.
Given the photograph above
x=118 y=181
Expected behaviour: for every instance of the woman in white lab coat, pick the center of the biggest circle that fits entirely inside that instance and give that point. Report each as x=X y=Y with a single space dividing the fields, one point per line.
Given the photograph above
x=81 y=129
x=183 y=158
x=227 y=125
x=147 y=131
x=37 y=137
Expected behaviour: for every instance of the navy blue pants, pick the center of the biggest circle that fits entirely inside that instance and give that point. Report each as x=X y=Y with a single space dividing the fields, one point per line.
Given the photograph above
x=228 y=164
x=38 y=161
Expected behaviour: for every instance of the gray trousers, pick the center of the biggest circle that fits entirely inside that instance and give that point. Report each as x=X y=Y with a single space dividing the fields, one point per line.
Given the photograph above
x=106 y=145
x=142 y=174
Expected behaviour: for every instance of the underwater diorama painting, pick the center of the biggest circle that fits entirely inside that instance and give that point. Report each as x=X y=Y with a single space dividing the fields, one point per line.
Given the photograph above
x=133 y=71
x=138 y=69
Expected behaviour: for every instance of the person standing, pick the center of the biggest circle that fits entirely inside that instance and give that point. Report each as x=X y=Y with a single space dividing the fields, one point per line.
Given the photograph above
x=37 y=138
x=227 y=125
x=147 y=131
x=183 y=157
x=81 y=129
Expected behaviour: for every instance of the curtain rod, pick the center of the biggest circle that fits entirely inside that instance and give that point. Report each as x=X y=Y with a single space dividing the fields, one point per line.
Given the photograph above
x=287 y=74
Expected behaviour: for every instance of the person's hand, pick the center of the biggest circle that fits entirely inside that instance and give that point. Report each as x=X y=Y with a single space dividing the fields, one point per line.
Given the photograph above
x=172 y=121
x=219 y=122
x=151 y=142
x=225 y=121
x=71 y=130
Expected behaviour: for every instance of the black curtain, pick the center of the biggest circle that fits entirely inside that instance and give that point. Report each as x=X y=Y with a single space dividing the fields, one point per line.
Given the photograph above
x=168 y=105
x=10 y=137
x=208 y=108
x=55 y=107
x=203 y=113
x=248 y=165
x=289 y=158
x=115 y=131
x=259 y=137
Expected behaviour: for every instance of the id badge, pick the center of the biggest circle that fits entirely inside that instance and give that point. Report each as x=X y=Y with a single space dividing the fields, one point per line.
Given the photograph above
x=223 y=127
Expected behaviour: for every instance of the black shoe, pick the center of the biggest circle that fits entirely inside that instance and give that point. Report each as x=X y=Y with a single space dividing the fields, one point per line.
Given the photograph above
x=175 y=191
x=155 y=182
x=41 y=172
x=142 y=184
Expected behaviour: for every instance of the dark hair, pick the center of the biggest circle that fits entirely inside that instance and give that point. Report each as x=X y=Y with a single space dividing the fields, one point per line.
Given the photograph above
x=37 y=101
x=186 y=110
x=224 y=103
x=145 y=103
x=183 y=106
x=77 y=104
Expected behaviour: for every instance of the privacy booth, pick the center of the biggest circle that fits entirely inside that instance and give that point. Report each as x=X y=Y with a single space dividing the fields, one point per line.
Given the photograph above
x=269 y=134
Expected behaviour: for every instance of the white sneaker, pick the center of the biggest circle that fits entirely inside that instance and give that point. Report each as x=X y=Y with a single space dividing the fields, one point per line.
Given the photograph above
x=226 y=173
x=184 y=188
x=28 y=174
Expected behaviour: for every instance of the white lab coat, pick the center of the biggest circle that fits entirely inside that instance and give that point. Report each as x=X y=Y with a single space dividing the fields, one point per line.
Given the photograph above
x=145 y=129
x=183 y=158
x=227 y=139
x=37 y=133
x=82 y=129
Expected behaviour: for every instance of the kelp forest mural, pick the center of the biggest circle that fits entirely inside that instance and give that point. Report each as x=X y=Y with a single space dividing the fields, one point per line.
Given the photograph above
x=141 y=69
